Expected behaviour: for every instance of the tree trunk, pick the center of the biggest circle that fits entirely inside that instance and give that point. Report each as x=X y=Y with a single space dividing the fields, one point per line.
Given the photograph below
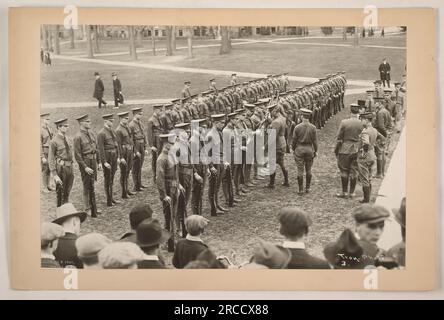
x=173 y=38
x=139 y=37
x=153 y=41
x=71 y=38
x=190 y=41
x=344 y=33
x=132 y=43
x=96 y=39
x=169 y=47
x=56 y=40
x=45 y=38
x=225 y=46
x=356 y=39
x=89 y=47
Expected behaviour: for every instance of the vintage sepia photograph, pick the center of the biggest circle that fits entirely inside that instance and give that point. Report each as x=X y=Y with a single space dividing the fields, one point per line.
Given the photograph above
x=223 y=147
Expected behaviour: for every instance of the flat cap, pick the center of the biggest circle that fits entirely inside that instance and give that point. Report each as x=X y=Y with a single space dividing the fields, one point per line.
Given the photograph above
x=120 y=255
x=271 y=256
x=370 y=213
x=109 y=116
x=89 y=245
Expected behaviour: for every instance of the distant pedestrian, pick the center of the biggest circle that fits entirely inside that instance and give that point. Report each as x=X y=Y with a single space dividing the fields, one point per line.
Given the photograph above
x=98 y=90
x=117 y=88
x=384 y=72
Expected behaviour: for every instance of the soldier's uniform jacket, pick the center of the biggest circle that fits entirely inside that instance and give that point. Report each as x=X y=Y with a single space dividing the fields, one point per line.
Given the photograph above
x=186 y=93
x=167 y=123
x=167 y=180
x=399 y=97
x=138 y=133
x=348 y=136
x=60 y=153
x=198 y=167
x=98 y=89
x=117 y=86
x=124 y=140
x=304 y=136
x=45 y=138
x=186 y=115
x=204 y=110
x=279 y=125
x=214 y=89
x=194 y=112
x=107 y=141
x=215 y=137
x=175 y=116
x=85 y=146
x=368 y=138
x=369 y=105
x=183 y=153
x=390 y=106
x=378 y=92
x=382 y=121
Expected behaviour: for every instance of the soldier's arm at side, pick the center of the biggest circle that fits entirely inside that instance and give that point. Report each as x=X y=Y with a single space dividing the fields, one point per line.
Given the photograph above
x=101 y=146
x=315 y=139
x=160 y=178
x=149 y=133
x=52 y=158
x=78 y=155
x=119 y=138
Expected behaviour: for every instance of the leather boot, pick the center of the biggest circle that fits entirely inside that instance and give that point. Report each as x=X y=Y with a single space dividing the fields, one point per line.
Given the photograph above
x=286 y=183
x=352 y=187
x=344 y=182
x=307 y=183
x=272 y=178
x=366 y=191
x=301 y=186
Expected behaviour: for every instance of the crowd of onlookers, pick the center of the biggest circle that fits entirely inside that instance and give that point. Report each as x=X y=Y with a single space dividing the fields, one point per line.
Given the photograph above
x=62 y=245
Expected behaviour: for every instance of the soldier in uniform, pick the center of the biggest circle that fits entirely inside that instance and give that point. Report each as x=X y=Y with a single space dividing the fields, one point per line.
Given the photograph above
x=369 y=102
x=109 y=156
x=85 y=153
x=229 y=145
x=233 y=80
x=346 y=151
x=398 y=97
x=167 y=182
x=186 y=93
x=154 y=129
x=213 y=86
x=60 y=162
x=126 y=150
x=278 y=123
x=200 y=169
x=305 y=147
x=99 y=88
x=367 y=157
x=45 y=138
x=389 y=104
x=383 y=123
x=138 y=133
x=167 y=118
x=216 y=164
x=378 y=92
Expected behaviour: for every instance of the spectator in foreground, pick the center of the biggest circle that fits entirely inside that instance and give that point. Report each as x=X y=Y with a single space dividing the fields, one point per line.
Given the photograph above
x=149 y=236
x=269 y=256
x=189 y=248
x=345 y=253
x=70 y=219
x=398 y=251
x=136 y=216
x=294 y=227
x=369 y=226
x=207 y=257
x=88 y=247
x=120 y=255
x=50 y=233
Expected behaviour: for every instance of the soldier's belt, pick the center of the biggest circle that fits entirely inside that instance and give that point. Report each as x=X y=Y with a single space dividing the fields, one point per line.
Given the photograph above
x=91 y=156
x=64 y=163
x=111 y=150
x=138 y=139
x=127 y=146
x=45 y=147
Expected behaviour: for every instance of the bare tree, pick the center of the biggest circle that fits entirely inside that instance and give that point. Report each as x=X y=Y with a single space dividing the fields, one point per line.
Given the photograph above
x=89 y=47
x=139 y=37
x=356 y=39
x=173 y=38
x=96 y=39
x=225 y=41
x=153 y=41
x=189 y=31
x=56 y=39
x=344 y=33
x=71 y=38
x=45 y=37
x=132 y=43
x=169 y=47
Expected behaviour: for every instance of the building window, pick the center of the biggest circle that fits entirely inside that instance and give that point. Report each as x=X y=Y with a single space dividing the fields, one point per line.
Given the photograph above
x=163 y=33
x=258 y=30
x=156 y=32
x=273 y=29
x=180 y=33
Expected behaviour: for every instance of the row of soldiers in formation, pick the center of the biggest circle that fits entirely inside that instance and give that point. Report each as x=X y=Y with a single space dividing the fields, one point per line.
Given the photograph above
x=127 y=145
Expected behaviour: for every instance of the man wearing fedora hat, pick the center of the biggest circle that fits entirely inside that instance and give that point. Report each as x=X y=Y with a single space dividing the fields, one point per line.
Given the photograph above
x=294 y=225
x=50 y=233
x=99 y=88
x=70 y=219
x=60 y=162
x=109 y=156
x=45 y=138
x=88 y=247
x=149 y=235
x=117 y=89
x=189 y=248
x=398 y=250
x=137 y=214
x=345 y=253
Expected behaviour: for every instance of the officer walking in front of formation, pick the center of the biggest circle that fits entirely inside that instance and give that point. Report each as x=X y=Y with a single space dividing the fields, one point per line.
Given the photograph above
x=138 y=133
x=367 y=157
x=186 y=93
x=60 y=162
x=117 y=88
x=126 y=150
x=233 y=80
x=154 y=129
x=85 y=153
x=346 y=151
x=305 y=147
x=109 y=156
x=45 y=138
x=167 y=183
x=99 y=88
x=213 y=86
